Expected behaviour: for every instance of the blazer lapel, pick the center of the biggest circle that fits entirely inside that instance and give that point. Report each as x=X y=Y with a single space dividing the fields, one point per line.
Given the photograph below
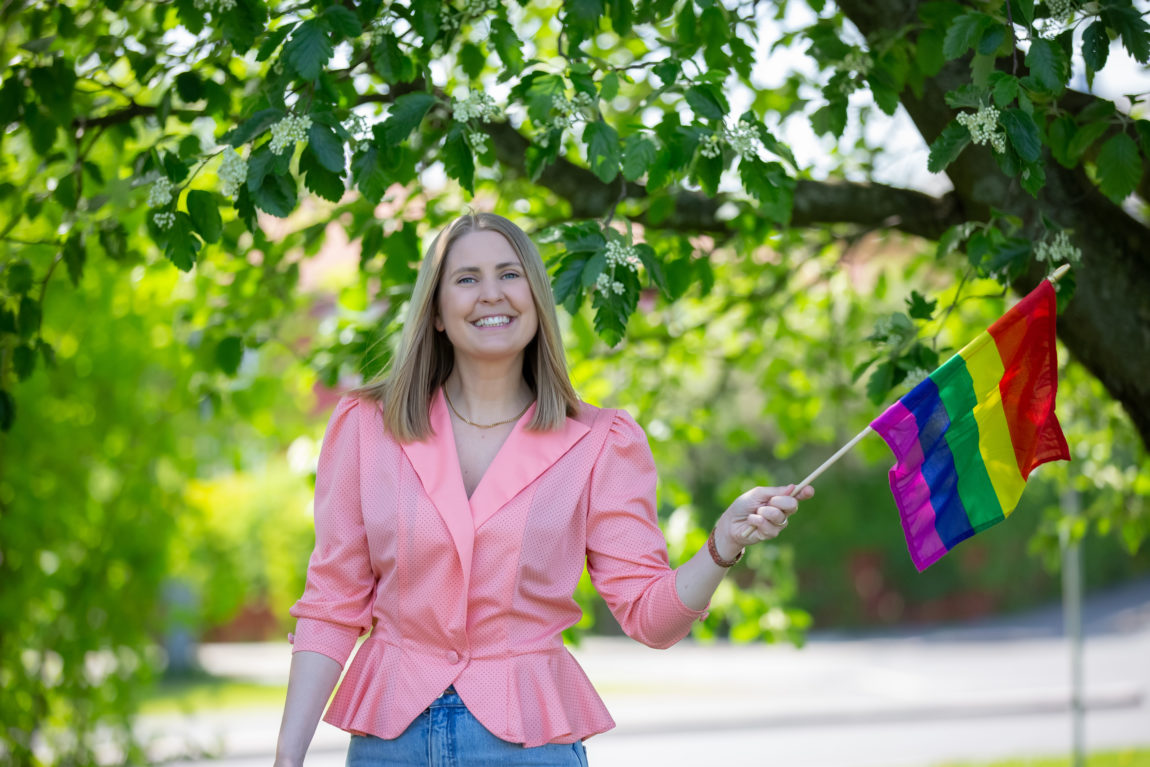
x=523 y=456
x=436 y=462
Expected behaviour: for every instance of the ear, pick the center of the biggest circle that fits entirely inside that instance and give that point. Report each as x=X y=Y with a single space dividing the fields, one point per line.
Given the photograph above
x=438 y=322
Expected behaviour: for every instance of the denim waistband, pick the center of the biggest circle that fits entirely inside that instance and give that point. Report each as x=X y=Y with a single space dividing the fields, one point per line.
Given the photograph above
x=448 y=697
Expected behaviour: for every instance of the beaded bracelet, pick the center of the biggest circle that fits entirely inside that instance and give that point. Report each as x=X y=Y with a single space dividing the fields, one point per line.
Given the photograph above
x=714 y=552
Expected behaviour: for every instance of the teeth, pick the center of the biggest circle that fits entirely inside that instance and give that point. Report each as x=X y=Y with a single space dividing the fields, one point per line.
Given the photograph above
x=488 y=322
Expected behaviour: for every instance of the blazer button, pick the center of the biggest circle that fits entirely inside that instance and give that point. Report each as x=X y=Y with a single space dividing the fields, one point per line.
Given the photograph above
x=452 y=657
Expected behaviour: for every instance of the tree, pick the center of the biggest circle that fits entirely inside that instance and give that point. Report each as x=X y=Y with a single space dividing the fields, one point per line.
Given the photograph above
x=142 y=133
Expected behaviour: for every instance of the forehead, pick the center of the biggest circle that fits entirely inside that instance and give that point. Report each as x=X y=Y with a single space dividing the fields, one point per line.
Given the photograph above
x=479 y=249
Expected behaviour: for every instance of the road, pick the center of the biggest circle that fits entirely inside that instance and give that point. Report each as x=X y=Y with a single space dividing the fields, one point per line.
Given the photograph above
x=979 y=692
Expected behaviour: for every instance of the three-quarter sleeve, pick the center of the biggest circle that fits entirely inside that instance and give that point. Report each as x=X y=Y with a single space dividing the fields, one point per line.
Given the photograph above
x=336 y=605
x=626 y=551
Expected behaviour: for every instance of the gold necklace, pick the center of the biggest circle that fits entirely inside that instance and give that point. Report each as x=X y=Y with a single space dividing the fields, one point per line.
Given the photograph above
x=482 y=425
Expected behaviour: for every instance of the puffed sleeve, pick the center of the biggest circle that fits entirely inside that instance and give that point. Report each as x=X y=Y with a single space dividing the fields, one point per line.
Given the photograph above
x=626 y=551
x=335 y=608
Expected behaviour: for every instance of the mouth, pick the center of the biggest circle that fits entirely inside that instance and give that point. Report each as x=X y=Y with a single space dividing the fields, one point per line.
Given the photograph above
x=494 y=321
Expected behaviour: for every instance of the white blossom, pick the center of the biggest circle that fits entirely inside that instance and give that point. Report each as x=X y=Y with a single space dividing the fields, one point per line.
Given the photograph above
x=983 y=127
x=161 y=192
x=233 y=172
x=744 y=139
x=711 y=146
x=478 y=140
x=619 y=254
x=857 y=61
x=605 y=283
x=1058 y=250
x=473 y=8
x=219 y=6
x=477 y=106
x=164 y=219
x=915 y=377
x=288 y=131
x=1060 y=10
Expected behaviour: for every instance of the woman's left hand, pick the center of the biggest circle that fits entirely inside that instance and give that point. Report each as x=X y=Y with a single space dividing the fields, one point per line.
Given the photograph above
x=759 y=514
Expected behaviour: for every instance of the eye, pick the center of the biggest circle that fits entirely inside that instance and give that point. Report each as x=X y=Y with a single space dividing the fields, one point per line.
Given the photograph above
x=464 y=280
x=513 y=275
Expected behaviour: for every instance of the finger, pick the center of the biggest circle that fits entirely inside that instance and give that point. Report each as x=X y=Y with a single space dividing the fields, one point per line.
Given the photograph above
x=772 y=514
x=784 y=503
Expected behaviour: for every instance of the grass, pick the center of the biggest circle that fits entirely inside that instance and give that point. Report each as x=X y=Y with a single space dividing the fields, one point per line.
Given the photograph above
x=210 y=693
x=1133 y=757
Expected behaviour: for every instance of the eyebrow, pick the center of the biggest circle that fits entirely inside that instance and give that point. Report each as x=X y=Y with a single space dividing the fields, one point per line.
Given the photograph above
x=504 y=265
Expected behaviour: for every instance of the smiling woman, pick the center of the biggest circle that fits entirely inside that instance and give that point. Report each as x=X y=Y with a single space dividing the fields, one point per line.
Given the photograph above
x=457 y=500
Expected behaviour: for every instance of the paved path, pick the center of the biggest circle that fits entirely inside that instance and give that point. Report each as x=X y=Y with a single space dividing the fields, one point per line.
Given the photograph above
x=980 y=692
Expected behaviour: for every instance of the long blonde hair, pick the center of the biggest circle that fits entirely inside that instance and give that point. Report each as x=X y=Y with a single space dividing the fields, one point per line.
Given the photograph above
x=426 y=358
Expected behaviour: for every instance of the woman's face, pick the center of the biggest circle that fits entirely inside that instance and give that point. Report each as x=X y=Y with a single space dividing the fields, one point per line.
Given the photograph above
x=485 y=304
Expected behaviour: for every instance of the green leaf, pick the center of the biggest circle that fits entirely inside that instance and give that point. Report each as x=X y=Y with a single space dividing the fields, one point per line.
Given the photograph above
x=318 y=178
x=183 y=244
x=472 y=59
x=592 y=268
x=342 y=21
x=507 y=45
x=205 y=215
x=1085 y=137
x=1058 y=137
x=243 y=23
x=880 y=383
x=272 y=42
x=1033 y=178
x=277 y=195
x=622 y=13
x=928 y=52
x=991 y=39
x=947 y=147
x=962 y=33
x=1095 y=49
x=114 y=240
x=457 y=159
x=609 y=87
x=638 y=154
x=229 y=354
x=1023 y=133
x=830 y=118
x=568 y=280
x=327 y=147
x=406 y=114
x=541 y=95
x=602 y=150
x=654 y=267
x=1023 y=11
x=1143 y=129
x=308 y=50
x=1119 y=167
x=390 y=62
x=918 y=307
x=1005 y=89
x=253 y=126
x=189 y=86
x=771 y=186
x=74 y=257
x=7 y=410
x=1048 y=64
x=28 y=318
x=707 y=102
x=19 y=277
x=1128 y=23
x=65 y=192
x=23 y=361
x=369 y=173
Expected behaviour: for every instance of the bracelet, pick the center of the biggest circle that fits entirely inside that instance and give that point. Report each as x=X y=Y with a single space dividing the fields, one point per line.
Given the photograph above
x=714 y=552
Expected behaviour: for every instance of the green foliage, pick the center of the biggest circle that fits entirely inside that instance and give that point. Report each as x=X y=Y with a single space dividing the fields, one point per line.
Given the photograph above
x=152 y=311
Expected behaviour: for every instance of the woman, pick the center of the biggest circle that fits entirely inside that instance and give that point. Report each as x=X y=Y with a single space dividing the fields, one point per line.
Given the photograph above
x=456 y=503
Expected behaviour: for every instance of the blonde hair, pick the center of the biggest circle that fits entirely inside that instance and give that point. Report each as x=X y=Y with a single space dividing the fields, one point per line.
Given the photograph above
x=426 y=358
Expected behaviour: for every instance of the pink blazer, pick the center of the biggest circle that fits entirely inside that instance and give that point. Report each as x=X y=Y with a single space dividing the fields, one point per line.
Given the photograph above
x=476 y=592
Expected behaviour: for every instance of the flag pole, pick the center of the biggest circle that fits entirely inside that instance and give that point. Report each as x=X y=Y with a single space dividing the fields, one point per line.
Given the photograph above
x=1053 y=277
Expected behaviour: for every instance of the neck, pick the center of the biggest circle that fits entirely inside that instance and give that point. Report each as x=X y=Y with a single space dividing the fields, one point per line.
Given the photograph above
x=484 y=393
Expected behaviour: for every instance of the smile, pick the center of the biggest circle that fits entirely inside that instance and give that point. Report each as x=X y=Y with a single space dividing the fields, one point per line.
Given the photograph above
x=496 y=321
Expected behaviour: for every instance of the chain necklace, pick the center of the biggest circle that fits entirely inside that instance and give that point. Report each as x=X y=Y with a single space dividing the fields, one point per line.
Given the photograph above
x=482 y=425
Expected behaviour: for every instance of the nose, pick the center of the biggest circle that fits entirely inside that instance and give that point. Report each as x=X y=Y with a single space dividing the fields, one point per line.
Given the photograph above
x=490 y=291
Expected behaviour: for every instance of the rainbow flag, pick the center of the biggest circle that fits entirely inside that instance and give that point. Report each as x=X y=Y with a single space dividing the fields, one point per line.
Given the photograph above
x=967 y=437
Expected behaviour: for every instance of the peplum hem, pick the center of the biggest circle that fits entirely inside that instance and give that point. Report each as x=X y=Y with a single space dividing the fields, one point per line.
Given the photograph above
x=513 y=695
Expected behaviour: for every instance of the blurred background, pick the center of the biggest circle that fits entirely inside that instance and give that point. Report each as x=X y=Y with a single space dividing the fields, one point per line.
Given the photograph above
x=163 y=416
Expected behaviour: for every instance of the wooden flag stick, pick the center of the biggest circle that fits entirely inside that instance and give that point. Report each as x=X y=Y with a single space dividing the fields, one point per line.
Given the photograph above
x=828 y=462
x=1053 y=277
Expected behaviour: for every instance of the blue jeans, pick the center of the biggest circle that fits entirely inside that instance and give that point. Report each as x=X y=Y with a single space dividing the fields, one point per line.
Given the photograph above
x=447 y=735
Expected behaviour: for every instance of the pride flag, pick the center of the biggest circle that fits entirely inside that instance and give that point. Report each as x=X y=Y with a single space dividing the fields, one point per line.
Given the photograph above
x=967 y=437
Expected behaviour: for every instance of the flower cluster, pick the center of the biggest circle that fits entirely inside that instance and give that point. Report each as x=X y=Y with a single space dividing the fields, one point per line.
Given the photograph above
x=161 y=192
x=568 y=113
x=1060 y=10
x=711 y=146
x=233 y=172
x=477 y=106
x=164 y=219
x=219 y=6
x=915 y=377
x=605 y=284
x=983 y=127
x=743 y=138
x=478 y=140
x=857 y=61
x=1059 y=250
x=376 y=34
x=288 y=131
x=619 y=254
x=474 y=8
